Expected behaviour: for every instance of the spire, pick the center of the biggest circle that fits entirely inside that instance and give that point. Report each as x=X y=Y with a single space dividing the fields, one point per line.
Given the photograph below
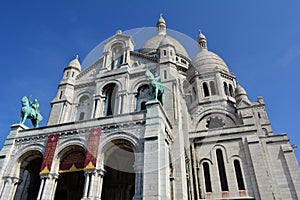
x=202 y=41
x=161 y=26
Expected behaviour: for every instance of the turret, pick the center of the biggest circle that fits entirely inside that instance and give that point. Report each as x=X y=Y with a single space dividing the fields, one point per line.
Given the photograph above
x=71 y=71
x=61 y=104
x=211 y=89
x=166 y=51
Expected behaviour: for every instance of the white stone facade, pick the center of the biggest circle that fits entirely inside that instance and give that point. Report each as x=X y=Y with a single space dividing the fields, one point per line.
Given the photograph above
x=206 y=141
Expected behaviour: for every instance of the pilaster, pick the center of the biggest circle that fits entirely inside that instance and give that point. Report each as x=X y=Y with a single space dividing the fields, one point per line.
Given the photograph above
x=261 y=174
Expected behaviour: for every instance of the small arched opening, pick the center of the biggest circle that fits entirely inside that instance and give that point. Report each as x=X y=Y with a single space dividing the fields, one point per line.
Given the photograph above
x=226 y=89
x=110 y=93
x=205 y=89
x=221 y=169
x=117 y=56
x=84 y=108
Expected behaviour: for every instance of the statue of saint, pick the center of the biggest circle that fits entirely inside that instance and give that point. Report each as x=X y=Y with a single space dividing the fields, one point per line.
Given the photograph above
x=35 y=105
x=30 y=110
x=155 y=86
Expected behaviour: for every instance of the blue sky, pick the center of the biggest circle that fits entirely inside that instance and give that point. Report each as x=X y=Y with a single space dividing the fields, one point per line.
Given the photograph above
x=259 y=40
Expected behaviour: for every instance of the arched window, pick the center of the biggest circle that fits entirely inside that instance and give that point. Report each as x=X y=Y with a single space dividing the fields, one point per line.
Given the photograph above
x=212 y=88
x=239 y=175
x=117 y=57
x=205 y=89
x=222 y=172
x=207 y=179
x=226 y=89
x=83 y=108
x=231 y=90
x=143 y=96
x=110 y=92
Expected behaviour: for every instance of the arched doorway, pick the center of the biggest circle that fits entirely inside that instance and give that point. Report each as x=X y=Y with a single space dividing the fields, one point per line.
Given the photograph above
x=29 y=185
x=119 y=179
x=71 y=176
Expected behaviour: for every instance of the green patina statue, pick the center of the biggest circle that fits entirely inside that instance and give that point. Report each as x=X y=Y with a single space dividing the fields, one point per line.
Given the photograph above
x=155 y=86
x=30 y=110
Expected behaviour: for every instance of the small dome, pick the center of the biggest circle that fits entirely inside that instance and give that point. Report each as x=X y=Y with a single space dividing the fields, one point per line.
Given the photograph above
x=239 y=91
x=161 y=20
x=241 y=95
x=165 y=41
x=207 y=61
x=75 y=63
x=153 y=44
x=201 y=36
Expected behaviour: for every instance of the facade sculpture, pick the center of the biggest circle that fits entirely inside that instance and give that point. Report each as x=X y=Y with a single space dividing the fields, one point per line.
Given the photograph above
x=30 y=110
x=155 y=86
x=107 y=139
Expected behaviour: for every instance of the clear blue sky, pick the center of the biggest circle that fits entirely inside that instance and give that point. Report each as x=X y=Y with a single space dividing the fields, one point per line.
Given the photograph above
x=259 y=40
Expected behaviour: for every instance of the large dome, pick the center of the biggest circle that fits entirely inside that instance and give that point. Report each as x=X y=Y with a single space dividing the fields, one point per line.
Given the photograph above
x=151 y=45
x=207 y=61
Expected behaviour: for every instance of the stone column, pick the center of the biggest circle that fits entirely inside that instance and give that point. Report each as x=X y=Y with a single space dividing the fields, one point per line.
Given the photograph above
x=10 y=186
x=99 y=112
x=156 y=183
x=86 y=184
x=42 y=186
x=98 y=181
x=123 y=61
x=95 y=106
x=50 y=183
x=105 y=62
x=120 y=103
x=91 y=185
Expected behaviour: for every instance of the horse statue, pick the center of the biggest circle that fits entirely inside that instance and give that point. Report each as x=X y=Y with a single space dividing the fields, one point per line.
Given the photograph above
x=30 y=110
x=155 y=86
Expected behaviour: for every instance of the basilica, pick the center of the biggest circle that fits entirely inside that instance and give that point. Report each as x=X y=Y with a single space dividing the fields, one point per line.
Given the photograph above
x=108 y=137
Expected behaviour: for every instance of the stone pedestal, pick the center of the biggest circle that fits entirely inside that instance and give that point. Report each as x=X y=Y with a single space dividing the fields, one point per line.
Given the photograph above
x=156 y=154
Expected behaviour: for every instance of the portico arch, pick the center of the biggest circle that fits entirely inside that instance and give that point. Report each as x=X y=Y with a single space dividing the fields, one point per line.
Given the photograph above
x=28 y=173
x=71 y=178
x=120 y=177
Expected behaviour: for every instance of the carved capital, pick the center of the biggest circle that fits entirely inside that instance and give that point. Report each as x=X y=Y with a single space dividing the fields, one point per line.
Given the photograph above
x=101 y=172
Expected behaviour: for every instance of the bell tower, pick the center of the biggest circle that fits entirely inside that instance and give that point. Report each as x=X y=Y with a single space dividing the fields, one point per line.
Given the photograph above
x=61 y=104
